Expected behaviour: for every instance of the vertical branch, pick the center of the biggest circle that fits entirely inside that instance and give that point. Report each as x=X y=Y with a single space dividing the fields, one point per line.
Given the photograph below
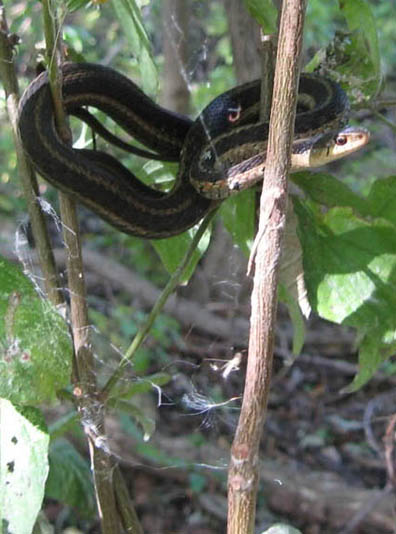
x=26 y=172
x=91 y=410
x=175 y=93
x=245 y=40
x=268 y=49
x=243 y=470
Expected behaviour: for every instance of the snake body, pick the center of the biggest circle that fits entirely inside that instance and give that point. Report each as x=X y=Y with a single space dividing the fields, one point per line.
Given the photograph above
x=222 y=151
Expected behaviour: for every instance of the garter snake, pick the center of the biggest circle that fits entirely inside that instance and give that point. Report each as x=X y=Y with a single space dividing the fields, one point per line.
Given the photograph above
x=222 y=151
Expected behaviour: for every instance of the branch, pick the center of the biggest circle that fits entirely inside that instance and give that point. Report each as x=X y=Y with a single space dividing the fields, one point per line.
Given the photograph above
x=243 y=470
x=26 y=172
x=85 y=391
x=144 y=330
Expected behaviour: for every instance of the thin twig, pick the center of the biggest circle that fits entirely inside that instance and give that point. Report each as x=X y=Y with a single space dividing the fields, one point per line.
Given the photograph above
x=144 y=330
x=365 y=510
x=268 y=43
x=383 y=119
x=385 y=103
x=127 y=512
x=389 y=445
x=26 y=172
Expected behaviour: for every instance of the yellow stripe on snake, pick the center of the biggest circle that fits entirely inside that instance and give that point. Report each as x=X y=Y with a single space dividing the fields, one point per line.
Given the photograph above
x=222 y=152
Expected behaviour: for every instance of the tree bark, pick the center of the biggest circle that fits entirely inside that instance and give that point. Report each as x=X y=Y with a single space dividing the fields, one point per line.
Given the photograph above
x=245 y=41
x=243 y=471
x=175 y=93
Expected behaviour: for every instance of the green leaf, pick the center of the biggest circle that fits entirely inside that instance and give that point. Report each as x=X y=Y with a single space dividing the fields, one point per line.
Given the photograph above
x=130 y=19
x=70 y=479
x=172 y=250
x=35 y=344
x=353 y=58
x=147 y=423
x=360 y=18
x=73 y=5
x=238 y=214
x=327 y=190
x=142 y=385
x=23 y=466
x=373 y=350
x=381 y=199
x=264 y=12
x=296 y=318
x=350 y=273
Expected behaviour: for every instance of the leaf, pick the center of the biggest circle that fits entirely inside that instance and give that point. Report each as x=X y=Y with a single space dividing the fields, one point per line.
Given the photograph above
x=360 y=18
x=264 y=12
x=172 y=250
x=327 y=190
x=23 y=467
x=352 y=58
x=35 y=344
x=350 y=273
x=381 y=199
x=142 y=385
x=238 y=215
x=296 y=318
x=292 y=290
x=70 y=479
x=291 y=272
x=147 y=423
x=129 y=17
x=73 y=5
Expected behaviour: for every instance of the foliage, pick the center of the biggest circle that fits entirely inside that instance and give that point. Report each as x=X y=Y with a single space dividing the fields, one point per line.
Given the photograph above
x=347 y=233
x=35 y=345
x=349 y=262
x=23 y=466
x=69 y=479
x=348 y=251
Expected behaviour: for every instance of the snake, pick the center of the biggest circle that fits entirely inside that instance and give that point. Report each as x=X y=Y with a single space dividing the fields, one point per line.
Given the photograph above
x=221 y=152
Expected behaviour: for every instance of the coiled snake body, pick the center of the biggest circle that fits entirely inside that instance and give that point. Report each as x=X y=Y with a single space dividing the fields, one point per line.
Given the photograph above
x=221 y=152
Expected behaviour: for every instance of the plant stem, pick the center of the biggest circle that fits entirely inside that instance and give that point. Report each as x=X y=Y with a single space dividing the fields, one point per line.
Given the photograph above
x=243 y=475
x=383 y=119
x=174 y=280
x=92 y=412
x=26 y=172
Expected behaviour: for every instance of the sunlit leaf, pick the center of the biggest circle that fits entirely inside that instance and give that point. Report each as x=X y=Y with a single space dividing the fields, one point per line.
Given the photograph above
x=23 y=466
x=352 y=58
x=264 y=12
x=350 y=273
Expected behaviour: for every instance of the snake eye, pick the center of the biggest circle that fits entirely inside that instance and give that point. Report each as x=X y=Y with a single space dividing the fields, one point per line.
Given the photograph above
x=234 y=114
x=341 y=140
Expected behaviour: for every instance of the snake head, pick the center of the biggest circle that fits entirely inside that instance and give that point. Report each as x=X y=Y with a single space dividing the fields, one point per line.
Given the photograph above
x=327 y=147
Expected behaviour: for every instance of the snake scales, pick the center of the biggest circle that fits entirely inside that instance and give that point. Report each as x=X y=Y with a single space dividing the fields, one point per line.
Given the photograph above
x=221 y=152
